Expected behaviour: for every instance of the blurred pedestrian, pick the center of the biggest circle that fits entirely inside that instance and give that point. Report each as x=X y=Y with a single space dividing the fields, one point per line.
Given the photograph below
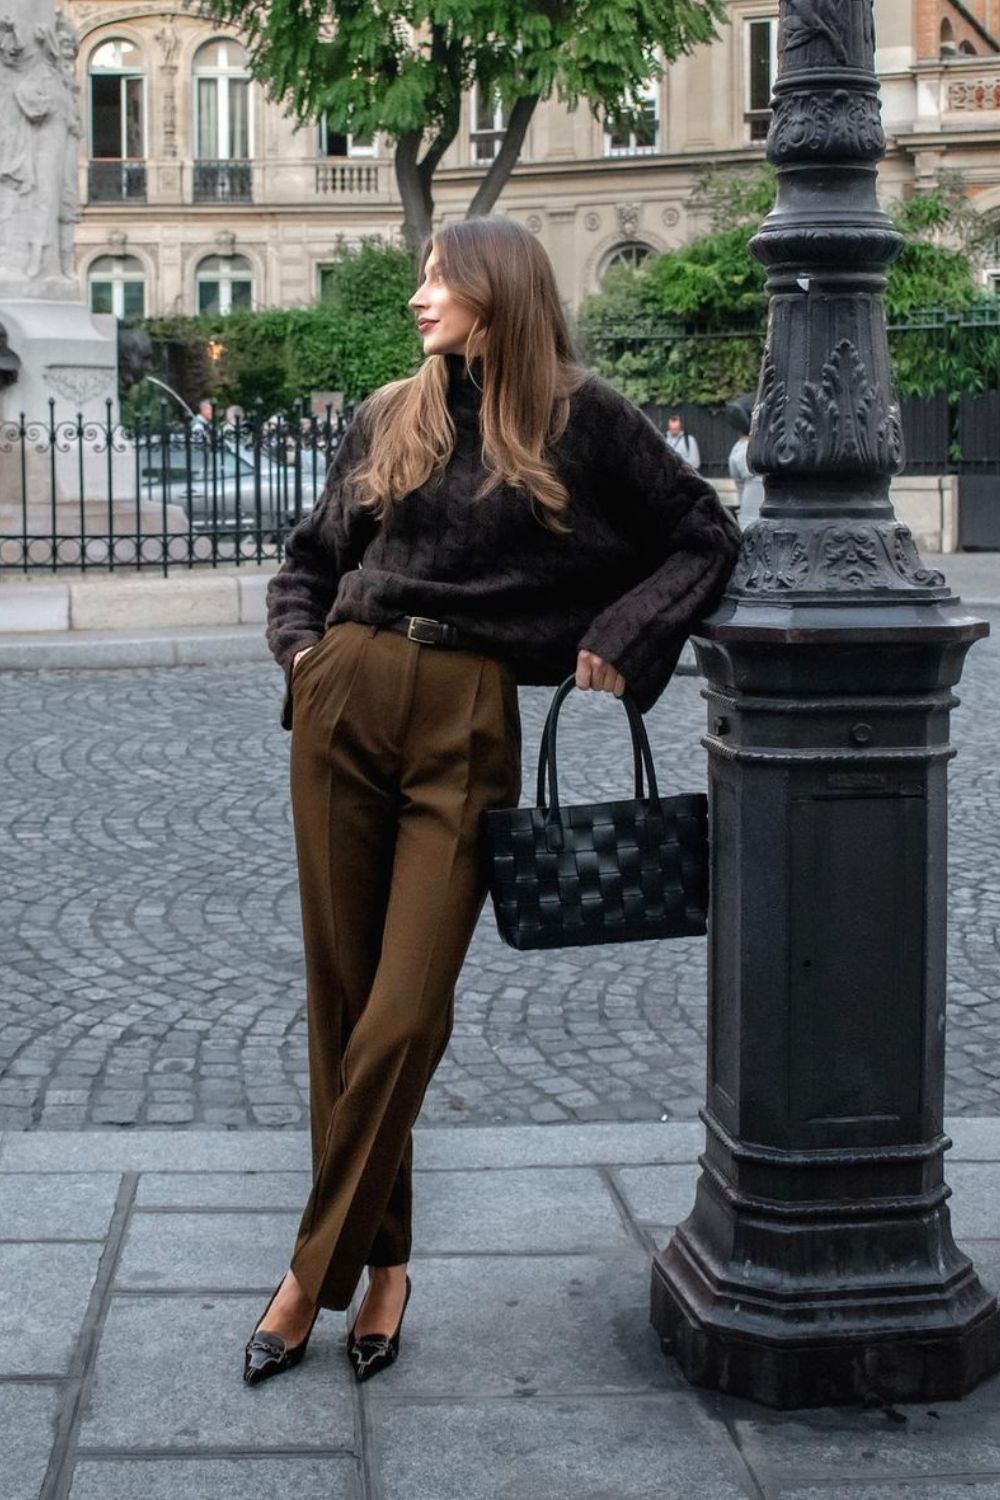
x=682 y=443
x=749 y=484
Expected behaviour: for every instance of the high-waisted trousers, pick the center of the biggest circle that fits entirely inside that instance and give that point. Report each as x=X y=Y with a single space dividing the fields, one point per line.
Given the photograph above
x=398 y=749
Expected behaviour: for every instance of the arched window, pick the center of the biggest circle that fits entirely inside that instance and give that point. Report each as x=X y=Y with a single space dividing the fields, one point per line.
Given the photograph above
x=947 y=31
x=222 y=101
x=223 y=282
x=117 y=122
x=117 y=284
x=631 y=255
x=968 y=49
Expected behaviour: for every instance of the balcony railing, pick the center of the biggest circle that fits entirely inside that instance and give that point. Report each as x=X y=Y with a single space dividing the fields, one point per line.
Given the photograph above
x=347 y=179
x=116 y=182
x=223 y=182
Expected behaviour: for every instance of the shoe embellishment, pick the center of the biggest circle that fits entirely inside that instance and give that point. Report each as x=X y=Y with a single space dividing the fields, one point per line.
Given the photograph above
x=369 y=1348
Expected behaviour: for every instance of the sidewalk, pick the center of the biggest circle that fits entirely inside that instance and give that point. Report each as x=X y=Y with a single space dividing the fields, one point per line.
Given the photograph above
x=975 y=576
x=133 y=1267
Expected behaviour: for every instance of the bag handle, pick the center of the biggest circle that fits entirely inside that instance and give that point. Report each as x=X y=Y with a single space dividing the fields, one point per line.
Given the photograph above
x=641 y=753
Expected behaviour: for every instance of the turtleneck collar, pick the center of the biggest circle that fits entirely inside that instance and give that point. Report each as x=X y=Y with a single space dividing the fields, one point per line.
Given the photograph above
x=464 y=391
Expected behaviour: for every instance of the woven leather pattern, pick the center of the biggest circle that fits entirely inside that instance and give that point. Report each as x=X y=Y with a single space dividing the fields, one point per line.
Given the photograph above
x=626 y=871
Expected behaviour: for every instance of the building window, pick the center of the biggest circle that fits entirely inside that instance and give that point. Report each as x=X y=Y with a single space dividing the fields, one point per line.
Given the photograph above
x=333 y=144
x=117 y=284
x=762 y=70
x=222 y=102
x=628 y=256
x=223 y=282
x=989 y=263
x=489 y=123
x=642 y=139
x=117 y=169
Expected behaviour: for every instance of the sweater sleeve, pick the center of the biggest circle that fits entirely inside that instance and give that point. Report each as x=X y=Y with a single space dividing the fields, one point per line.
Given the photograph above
x=687 y=536
x=318 y=552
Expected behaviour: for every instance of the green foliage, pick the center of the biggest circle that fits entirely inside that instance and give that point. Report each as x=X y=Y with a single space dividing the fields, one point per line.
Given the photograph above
x=689 y=324
x=714 y=279
x=361 y=336
x=733 y=197
x=943 y=234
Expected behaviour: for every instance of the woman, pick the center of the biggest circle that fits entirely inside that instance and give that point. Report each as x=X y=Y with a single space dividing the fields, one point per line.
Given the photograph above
x=499 y=517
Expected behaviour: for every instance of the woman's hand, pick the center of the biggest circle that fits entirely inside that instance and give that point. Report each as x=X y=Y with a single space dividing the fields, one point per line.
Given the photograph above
x=299 y=655
x=593 y=672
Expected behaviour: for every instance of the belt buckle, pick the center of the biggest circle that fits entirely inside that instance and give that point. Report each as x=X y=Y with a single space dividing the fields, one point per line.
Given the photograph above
x=432 y=638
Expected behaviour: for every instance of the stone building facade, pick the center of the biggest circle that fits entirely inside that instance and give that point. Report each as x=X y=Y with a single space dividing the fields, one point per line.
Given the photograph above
x=200 y=193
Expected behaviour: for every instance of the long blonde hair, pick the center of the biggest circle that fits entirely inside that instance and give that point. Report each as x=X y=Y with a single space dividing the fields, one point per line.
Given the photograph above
x=528 y=366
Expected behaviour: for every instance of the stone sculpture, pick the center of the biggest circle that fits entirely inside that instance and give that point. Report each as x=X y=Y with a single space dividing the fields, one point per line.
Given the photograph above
x=40 y=129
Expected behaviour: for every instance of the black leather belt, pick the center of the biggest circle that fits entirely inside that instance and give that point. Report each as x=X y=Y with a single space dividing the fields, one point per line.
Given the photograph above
x=429 y=632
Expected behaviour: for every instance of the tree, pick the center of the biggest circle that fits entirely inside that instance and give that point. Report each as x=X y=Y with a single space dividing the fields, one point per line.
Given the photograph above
x=400 y=68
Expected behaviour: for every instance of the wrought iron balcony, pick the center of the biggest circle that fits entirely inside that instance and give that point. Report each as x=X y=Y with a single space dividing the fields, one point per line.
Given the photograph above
x=223 y=182
x=116 y=182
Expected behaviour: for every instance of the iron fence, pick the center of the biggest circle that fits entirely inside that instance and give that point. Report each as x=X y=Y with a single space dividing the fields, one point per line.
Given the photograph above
x=156 y=494
x=947 y=370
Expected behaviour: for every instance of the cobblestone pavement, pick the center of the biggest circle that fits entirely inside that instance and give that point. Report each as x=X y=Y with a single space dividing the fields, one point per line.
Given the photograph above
x=149 y=943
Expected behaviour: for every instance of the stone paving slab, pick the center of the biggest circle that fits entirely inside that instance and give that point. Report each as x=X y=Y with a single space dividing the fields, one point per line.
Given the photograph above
x=658 y=1195
x=57 y=1205
x=935 y=1488
x=206 y=1250
x=567 y=1448
x=27 y=1423
x=972 y=1140
x=854 y=1445
x=597 y=1305
x=167 y=1375
x=152 y=1151
x=270 y=1190
x=44 y=1289
x=975 y=1202
x=435 y=1148
x=517 y=1210
x=333 y=1477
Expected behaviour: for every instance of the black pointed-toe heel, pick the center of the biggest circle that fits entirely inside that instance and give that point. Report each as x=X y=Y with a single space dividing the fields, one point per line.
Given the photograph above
x=375 y=1351
x=267 y=1354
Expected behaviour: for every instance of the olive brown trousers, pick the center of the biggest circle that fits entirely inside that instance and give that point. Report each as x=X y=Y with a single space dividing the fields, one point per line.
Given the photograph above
x=398 y=749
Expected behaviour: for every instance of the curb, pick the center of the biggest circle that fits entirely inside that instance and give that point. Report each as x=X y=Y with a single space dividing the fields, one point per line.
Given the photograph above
x=191 y=647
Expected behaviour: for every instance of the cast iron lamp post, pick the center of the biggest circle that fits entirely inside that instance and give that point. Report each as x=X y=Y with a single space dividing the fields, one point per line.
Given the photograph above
x=818 y=1263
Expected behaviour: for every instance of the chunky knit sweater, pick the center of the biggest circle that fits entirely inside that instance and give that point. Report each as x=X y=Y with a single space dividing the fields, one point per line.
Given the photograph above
x=649 y=551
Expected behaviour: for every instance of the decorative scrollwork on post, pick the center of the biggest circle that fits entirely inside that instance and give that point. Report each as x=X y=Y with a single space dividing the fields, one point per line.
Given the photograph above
x=843 y=420
x=832 y=123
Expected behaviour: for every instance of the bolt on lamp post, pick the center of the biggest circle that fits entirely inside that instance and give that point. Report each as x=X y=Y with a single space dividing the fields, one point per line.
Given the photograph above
x=818 y=1263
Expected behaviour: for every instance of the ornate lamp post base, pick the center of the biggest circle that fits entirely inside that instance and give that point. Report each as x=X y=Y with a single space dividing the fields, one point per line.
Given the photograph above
x=818 y=1264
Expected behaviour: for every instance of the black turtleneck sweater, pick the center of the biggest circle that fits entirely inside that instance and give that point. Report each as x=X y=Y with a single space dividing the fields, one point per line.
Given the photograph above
x=649 y=551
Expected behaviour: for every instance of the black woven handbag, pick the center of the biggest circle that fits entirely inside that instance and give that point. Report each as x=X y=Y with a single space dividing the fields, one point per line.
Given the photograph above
x=606 y=872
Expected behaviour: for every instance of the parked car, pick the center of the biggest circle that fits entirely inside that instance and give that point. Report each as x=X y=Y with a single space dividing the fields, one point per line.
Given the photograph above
x=220 y=483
